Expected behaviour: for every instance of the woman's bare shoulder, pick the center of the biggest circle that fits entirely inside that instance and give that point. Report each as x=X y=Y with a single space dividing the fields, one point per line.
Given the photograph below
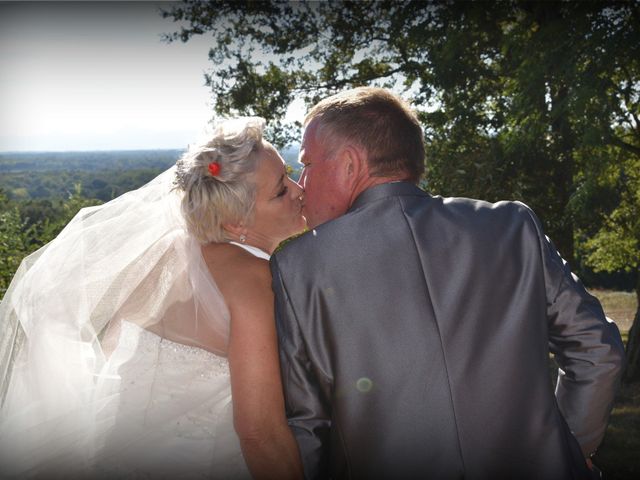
x=240 y=276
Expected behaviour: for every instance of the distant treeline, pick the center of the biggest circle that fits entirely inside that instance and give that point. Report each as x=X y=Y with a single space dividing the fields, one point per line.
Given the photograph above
x=52 y=185
x=102 y=175
x=87 y=161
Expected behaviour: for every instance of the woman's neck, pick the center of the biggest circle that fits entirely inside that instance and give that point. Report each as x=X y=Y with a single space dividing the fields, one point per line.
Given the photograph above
x=259 y=241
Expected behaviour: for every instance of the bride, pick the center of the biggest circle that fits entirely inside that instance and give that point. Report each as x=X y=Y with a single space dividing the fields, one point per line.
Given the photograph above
x=141 y=341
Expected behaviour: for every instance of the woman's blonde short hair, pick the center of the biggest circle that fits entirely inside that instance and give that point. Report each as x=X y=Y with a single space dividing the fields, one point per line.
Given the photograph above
x=228 y=197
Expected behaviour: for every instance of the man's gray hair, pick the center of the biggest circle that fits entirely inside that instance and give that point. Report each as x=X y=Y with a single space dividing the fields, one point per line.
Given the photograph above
x=209 y=200
x=377 y=120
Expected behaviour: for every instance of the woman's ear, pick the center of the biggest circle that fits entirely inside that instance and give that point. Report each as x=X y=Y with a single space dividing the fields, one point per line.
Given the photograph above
x=236 y=230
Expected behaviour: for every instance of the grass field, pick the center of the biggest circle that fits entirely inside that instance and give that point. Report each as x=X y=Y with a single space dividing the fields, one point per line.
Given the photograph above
x=619 y=454
x=620 y=306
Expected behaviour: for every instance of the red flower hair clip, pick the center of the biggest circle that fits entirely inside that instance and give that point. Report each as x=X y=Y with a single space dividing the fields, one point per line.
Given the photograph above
x=214 y=169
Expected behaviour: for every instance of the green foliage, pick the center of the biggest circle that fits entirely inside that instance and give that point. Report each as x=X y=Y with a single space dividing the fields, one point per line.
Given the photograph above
x=14 y=240
x=102 y=184
x=612 y=249
x=21 y=235
x=616 y=244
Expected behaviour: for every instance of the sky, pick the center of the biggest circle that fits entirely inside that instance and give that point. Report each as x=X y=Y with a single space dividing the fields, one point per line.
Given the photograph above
x=96 y=76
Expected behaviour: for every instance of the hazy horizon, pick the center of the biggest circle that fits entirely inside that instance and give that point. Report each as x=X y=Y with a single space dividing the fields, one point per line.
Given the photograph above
x=294 y=146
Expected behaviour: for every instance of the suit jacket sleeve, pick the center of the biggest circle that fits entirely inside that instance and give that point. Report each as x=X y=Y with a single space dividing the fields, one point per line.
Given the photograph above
x=307 y=411
x=587 y=347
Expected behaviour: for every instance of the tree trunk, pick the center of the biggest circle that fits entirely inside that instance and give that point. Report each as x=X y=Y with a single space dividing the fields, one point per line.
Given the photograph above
x=632 y=370
x=562 y=142
x=563 y=147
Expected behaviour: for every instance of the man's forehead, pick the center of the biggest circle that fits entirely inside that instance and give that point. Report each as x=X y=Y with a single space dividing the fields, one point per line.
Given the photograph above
x=310 y=130
x=306 y=144
x=306 y=138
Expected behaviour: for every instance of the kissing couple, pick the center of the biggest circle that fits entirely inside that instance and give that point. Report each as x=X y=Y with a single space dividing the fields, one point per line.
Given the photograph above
x=403 y=335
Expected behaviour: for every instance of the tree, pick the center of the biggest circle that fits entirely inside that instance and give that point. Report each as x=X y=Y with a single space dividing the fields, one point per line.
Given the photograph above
x=13 y=241
x=527 y=81
x=21 y=235
x=512 y=95
x=615 y=244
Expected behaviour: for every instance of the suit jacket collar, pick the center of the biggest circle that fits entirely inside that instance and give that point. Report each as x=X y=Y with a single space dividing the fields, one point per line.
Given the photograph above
x=384 y=190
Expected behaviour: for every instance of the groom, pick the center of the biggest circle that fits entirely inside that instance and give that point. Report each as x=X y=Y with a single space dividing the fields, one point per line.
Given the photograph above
x=415 y=330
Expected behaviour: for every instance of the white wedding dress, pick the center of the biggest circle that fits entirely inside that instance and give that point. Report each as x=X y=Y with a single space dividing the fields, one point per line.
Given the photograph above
x=112 y=351
x=173 y=416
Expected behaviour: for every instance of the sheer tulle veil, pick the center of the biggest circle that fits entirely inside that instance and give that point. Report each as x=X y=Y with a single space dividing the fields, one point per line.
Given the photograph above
x=129 y=260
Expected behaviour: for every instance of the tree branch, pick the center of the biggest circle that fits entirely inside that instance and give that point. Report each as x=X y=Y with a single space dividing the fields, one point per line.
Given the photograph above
x=618 y=142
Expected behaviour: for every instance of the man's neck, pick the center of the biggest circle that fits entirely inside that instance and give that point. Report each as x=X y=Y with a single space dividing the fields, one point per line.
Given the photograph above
x=368 y=182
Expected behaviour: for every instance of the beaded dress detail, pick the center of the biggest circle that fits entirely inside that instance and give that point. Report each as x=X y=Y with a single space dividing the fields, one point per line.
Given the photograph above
x=176 y=399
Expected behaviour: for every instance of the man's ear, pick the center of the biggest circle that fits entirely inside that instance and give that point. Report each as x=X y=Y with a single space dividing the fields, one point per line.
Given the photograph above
x=354 y=162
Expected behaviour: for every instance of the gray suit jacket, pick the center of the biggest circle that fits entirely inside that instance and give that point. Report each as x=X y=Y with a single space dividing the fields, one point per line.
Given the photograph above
x=415 y=334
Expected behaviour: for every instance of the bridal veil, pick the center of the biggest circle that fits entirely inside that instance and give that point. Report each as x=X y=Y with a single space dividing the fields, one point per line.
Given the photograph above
x=128 y=263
